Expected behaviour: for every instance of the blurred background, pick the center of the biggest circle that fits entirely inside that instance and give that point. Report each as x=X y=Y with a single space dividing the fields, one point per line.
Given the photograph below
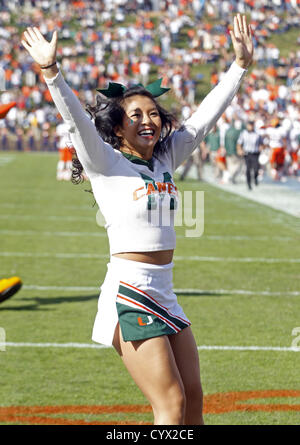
x=187 y=43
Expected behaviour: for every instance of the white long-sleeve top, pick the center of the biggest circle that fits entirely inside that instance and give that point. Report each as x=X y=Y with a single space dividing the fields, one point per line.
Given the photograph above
x=138 y=204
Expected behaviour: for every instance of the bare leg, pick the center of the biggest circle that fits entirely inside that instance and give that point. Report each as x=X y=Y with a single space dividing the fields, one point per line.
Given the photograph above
x=152 y=366
x=187 y=359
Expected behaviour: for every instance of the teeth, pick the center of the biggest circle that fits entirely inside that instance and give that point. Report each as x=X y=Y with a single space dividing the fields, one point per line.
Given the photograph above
x=146 y=132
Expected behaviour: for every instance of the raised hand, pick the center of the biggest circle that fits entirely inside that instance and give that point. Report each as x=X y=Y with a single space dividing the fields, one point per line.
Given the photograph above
x=241 y=37
x=42 y=51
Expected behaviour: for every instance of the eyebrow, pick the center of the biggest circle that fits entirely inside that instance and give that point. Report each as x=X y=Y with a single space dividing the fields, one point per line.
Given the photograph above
x=138 y=109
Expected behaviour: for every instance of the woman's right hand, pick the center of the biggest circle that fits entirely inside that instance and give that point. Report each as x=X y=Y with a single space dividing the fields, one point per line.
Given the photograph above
x=42 y=51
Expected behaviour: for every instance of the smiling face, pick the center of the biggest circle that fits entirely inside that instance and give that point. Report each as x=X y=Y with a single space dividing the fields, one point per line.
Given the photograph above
x=141 y=126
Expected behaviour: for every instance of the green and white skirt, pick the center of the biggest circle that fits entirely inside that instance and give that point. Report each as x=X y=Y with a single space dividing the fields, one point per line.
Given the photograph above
x=140 y=297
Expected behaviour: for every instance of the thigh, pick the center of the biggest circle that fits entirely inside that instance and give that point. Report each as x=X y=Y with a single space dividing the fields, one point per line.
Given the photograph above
x=236 y=162
x=229 y=162
x=187 y=359
x=248 y=161
x=255 y=161
x=152 y=366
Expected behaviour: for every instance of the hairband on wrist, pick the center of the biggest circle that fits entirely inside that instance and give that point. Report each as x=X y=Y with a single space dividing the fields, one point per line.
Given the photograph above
x=48 y=66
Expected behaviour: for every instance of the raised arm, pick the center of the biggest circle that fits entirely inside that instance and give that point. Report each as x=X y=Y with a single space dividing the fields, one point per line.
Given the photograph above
x=96 y=156
x=184 y=141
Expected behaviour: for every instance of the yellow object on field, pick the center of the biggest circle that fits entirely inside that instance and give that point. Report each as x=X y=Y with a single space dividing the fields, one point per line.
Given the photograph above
x=8 y=287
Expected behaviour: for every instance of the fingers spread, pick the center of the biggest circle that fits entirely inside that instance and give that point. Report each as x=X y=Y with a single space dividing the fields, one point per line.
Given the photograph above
x=245 y=28
x=232 y=36
x=240 y=22
x=31 y=32
x=31 y=36
x=236 y=27
x=250 y=31
x=38 y=33
x=54 y=38
x=28 y=37
x=25 y=44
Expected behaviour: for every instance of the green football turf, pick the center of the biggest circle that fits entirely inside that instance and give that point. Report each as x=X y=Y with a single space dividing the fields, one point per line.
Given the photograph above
x=41 y=218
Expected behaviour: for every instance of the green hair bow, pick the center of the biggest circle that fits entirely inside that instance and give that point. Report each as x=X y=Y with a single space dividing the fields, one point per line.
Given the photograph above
x=117 y=89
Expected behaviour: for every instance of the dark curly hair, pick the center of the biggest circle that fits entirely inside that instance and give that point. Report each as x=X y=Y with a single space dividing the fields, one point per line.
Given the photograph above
x=109 y=112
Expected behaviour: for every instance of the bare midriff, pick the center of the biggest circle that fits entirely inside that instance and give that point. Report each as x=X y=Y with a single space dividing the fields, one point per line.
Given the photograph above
x=160 y=258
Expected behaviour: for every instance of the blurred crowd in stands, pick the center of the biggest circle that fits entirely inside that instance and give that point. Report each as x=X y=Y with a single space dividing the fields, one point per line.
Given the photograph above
x=129 y=41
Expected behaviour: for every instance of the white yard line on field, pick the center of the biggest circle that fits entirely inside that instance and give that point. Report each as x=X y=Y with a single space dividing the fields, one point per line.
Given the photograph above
x=61 y=288
x=243 y=238
x=178 y=291
x=3 y=345
x=92 y=218
x=49 y=233
x=4 y=160
x=103 y=234
x=47 y=217
x=53 y=255
x=237 y=260
x=31 y=205
x=176 y=258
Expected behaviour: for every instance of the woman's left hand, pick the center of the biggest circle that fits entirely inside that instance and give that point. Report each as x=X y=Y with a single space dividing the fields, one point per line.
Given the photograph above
x=241 y=37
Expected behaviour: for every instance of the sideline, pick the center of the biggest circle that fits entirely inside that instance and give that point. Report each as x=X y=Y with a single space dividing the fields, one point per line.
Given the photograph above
x=277 y=195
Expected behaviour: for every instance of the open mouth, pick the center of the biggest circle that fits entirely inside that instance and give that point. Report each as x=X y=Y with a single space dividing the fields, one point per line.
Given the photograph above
x=148 y=134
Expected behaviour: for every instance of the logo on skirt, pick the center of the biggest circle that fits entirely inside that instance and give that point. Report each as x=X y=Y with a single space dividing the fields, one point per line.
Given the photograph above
x=141 y=323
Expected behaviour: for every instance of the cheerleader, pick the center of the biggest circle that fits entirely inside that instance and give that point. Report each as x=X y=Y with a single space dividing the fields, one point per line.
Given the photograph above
x=130 y=150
